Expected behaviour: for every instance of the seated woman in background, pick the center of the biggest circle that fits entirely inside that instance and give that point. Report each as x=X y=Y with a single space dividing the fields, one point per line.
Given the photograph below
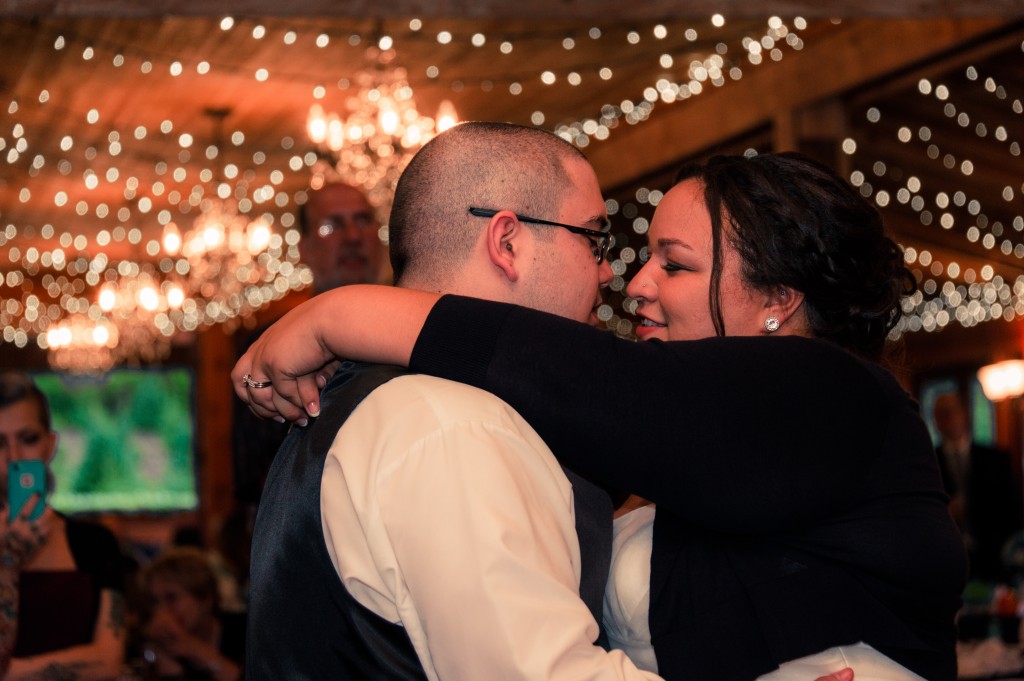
x=800 y=516
x=61 y=605
x=187 y=637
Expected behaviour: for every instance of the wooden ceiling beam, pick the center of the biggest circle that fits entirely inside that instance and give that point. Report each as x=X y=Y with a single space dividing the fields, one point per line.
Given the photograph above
x=864 y=51
x=980 y=52
x=994 y=165
x=905 y=228
x=583 y=10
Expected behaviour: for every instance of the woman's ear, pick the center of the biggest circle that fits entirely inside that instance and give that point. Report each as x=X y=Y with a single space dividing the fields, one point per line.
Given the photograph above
x=502 y=233
x=782 y=304
x=54 y=438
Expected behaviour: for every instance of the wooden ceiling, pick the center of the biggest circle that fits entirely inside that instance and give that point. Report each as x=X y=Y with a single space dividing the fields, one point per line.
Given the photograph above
x=575 y=10
x=79 y=78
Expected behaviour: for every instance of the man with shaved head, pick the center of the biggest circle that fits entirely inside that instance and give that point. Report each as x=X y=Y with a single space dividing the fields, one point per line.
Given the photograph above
x=420 y=528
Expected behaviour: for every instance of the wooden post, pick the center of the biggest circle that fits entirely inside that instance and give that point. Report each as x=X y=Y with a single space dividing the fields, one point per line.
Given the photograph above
x=214 y=361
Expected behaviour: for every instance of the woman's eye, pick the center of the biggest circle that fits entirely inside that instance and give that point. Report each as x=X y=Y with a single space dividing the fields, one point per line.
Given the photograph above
x=670 y=266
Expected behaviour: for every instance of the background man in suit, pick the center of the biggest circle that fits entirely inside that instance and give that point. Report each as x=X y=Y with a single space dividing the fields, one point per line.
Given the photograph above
x=340 y=241
x=341 y=245
x=984 y=494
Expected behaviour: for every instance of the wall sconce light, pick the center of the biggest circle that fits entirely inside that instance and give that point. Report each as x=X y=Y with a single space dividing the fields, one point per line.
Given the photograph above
x=1002 y=380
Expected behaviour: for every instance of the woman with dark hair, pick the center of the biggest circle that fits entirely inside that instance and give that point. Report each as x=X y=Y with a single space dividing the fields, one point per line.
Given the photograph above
x=61 y=604
x=188 y=637
x=800 y=517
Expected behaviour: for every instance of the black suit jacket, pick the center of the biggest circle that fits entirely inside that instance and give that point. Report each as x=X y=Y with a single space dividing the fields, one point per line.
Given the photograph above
x=991 y=506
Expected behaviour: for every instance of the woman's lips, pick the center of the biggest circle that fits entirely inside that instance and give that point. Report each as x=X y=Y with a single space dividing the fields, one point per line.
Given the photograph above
x=647 y=327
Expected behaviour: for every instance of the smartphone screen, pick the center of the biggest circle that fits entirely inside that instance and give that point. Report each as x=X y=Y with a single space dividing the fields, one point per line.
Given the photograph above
x=25 y=478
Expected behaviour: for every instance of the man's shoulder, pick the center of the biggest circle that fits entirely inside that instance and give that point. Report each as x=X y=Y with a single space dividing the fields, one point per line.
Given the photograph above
x=410 y=412
x=440 y=398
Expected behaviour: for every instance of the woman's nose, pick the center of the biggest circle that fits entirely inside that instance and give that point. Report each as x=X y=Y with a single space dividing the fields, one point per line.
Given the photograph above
x=640 y=285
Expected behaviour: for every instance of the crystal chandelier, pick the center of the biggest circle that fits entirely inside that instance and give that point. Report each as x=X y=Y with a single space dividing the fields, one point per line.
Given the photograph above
x=368 y=144
x=119 y=328
x=228 y=266
x=221 y=270
x=78 y=344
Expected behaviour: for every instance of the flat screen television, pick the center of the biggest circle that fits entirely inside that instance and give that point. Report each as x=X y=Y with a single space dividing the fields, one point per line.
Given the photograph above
x=126 y=440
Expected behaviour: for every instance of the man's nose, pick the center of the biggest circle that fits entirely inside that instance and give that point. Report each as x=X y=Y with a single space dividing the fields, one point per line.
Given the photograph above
x=604 y=273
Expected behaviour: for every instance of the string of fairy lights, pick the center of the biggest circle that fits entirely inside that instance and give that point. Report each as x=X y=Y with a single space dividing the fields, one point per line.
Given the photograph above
x=58 y=293
x=710 y=71
x=46 y=291
x=948 y=292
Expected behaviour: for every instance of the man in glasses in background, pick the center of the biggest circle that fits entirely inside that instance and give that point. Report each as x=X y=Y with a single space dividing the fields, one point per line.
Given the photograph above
x=340 y=238
x=341 y=245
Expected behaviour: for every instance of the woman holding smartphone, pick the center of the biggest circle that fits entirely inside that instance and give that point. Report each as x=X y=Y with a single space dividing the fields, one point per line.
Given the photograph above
x=61 y=608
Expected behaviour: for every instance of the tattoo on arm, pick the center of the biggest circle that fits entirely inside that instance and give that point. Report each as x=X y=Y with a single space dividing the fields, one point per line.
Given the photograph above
x=8 y=617
x=115 y=618
x=62 y=672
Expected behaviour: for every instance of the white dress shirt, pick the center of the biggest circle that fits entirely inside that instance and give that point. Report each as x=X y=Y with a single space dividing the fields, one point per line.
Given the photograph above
x=443 y=511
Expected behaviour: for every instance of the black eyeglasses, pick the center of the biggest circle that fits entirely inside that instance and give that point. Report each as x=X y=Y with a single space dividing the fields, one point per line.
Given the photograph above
x=600 y=241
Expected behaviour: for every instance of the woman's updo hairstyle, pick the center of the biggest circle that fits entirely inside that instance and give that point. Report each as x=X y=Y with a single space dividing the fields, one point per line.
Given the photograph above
x=796 y=223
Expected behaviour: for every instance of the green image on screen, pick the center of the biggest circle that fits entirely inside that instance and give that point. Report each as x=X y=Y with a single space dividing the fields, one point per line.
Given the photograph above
x=126 y=440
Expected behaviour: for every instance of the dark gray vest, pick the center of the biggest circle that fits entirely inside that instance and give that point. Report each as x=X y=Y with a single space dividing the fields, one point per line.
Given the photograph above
x=303 y=624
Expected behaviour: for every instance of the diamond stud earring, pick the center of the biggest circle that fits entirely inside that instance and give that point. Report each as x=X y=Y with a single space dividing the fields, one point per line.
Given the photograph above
x=771 y=325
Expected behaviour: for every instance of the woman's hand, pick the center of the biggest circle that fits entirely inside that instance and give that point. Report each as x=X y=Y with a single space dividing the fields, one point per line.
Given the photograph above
x=285 y=367
x=286 y=357
x=163 y=629
x=22 y=538
x=170 y=640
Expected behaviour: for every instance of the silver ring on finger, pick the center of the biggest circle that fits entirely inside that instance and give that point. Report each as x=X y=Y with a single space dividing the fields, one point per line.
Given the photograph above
x=249 y=382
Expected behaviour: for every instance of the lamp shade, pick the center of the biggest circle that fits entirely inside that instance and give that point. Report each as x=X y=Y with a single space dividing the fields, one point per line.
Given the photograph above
x=1002 y=379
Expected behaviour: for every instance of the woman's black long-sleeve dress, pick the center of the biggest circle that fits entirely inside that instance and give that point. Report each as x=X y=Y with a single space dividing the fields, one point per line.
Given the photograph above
x=799 y=499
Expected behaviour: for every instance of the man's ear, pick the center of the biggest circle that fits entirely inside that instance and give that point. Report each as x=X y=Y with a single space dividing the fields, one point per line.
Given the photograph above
x=782 y=303
x=502 y=234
